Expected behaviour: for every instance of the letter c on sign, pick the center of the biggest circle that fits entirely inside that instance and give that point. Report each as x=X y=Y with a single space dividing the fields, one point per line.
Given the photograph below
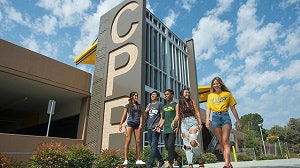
x=114 y=33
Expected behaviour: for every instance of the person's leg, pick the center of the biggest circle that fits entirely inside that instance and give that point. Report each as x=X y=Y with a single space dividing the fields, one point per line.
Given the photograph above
x=153 y=138
x=129 y=131
x=226 y=145
x=167 y=146
x=155 y=142
x=185 y=138
x=137 y=134
x=152 y=155
x=171 y=148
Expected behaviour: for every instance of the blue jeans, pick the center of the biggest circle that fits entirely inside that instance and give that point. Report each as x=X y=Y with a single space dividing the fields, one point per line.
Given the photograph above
x=187 y=124
x=153 y=138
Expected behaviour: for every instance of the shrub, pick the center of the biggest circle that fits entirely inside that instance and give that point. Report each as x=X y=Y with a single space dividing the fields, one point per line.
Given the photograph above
x=131 y=157
x=9 y=163
x=244 y=157
x=80 y=156
x=209 y=158
x=179 y=151
x=109 y=158
x=146 y=154
x=49 y=155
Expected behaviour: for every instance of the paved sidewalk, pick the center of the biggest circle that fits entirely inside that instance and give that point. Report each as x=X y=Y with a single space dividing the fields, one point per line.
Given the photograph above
x=279 y=163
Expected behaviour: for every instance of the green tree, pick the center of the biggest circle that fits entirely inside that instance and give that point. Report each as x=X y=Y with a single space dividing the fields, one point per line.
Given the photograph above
x=276 y=131
x=251 y=121
x=251 y=140
x=293 y=133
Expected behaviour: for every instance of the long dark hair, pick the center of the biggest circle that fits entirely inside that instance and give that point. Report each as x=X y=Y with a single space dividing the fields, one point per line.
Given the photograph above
x=183 y=103
x=131 y=105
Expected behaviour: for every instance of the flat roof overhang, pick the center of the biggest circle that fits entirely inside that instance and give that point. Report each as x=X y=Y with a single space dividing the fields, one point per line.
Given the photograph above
x=88 y=56
x=203 y=92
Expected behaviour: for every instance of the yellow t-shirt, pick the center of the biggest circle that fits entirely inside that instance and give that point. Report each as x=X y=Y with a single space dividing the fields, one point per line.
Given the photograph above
x=220 y=102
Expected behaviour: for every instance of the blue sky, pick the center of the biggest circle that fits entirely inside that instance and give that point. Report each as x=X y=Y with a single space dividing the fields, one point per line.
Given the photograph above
x=253 y=45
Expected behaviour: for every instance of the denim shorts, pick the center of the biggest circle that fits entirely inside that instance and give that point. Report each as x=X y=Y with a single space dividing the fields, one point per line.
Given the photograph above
x=133 y=125
x=219 y=119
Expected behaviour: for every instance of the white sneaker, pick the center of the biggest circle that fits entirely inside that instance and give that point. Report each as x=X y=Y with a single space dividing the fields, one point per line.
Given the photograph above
x=125 y=162
x=139 y=162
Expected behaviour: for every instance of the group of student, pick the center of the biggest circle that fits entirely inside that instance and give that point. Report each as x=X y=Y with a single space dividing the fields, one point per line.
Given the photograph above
x=184 y=116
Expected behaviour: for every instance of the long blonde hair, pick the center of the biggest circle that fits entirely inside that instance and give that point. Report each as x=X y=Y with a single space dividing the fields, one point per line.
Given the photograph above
x=223 y=86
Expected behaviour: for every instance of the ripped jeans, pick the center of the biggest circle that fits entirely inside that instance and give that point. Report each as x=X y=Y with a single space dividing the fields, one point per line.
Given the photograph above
x=187 y=124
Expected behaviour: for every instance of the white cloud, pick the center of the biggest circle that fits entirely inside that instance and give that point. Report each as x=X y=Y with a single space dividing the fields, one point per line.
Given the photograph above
x=253 y=61
x=31 y=43
x=222 y=6
x=207 y=80
x=170 y=19
x=246 y=16
x=292 y=71
x=69 y=12
x=44 y=48
x=46 y=24
x=259 y=81
x=251 y=37
x=14 y=15
x=223 y=63
x=291 y=44
x=186 y=4
x=286 y=3
x=209 y=34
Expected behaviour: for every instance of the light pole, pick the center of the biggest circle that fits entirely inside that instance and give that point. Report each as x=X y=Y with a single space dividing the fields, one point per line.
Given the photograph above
x=287 y=149
x=262 y=138
x=279 y=146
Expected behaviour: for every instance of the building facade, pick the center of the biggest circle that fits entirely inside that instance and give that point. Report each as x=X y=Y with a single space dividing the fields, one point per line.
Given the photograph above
x=135 y=52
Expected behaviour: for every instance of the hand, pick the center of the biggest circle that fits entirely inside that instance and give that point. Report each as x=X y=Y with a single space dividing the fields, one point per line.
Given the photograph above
x=176 y=131
x=157 y=129
x=120 y=127
x=239 y=124
x=172 y=124
x=208 y=124
x=200 y=126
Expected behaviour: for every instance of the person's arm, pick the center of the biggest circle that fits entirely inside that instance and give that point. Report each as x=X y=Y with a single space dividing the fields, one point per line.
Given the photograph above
x=147 y=109
x=123 y=118
x=207 y=123
x=141 y=120
x=198 y=115
x=176 y=118
x=158 y=127
x=178 y=127
x=236 y=116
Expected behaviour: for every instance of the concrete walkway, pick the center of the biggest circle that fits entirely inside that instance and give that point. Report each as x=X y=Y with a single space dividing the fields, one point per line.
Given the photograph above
x=279 y=163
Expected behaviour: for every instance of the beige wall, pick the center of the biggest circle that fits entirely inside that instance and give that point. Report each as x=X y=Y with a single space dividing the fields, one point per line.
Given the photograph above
x=20 y=147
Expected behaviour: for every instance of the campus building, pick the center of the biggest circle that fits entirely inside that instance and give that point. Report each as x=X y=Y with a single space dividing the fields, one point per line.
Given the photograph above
x=135 y=52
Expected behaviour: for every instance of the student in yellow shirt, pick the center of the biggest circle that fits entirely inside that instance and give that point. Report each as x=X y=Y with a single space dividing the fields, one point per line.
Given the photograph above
x=219 y=101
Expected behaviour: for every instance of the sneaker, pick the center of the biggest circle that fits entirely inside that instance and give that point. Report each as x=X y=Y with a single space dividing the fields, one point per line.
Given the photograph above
x=139 y=162
x=125 y=162
x=160 y=165
x=179 y=162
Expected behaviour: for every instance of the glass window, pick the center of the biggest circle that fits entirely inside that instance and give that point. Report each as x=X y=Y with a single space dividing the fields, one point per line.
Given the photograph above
x=151 y=76
x=147 y=75
x=155 y=40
